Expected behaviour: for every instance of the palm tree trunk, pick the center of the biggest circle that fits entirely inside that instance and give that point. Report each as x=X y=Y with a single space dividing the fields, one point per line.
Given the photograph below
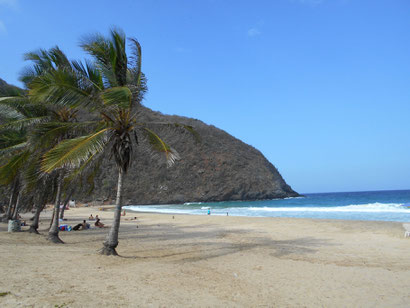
x=53 y=231
x=8 y=214
x=66 y=202
x=34 y=225
x=16 y=207
x=12 y=199
x=111 y=241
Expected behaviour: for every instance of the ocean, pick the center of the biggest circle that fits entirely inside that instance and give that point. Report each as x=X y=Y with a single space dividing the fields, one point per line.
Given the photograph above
x=392 y=205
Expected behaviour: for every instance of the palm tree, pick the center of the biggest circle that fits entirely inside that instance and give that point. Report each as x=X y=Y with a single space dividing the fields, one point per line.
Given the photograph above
x=112 y=87
x=44 y=123
x=16 y=114
x=62 y=122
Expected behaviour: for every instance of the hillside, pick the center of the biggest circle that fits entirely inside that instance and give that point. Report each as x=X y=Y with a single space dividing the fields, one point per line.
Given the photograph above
x=218 y=168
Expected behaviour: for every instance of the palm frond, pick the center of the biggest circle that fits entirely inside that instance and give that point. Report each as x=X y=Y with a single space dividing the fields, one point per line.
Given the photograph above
x=120 y=56
x=102 y=50
x=89 y=75
x=12 y=149
x=118 y=96
x=24 y=123
x=136 y=60
x=32 y=172
x=159 y=145
x=9 y=170
x=59 y=88
x=72 y=153
x=188 y=128
x=45 y=134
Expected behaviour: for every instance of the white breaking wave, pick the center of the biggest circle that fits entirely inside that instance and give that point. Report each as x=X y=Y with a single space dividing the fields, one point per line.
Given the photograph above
x=363 y=208
x=371 y=211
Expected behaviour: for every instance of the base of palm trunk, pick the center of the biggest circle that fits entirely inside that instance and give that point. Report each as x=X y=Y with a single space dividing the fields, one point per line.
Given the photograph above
x=33 y=230
x=108 y=250
x=53 y=237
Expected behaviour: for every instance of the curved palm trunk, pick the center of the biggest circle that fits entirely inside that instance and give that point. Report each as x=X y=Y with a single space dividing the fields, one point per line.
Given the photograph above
x=66 y=202
x=12 y=199
x=111 y=241
x=16 y=208
x=34 y=225
x=8 y=214
x=53 y=232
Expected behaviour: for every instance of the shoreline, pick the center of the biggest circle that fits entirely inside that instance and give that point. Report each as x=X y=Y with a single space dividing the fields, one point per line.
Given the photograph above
x=201 y=260
x=271 y=217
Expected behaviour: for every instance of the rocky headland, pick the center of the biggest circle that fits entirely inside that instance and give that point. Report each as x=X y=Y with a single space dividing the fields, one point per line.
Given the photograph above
x=217 y=168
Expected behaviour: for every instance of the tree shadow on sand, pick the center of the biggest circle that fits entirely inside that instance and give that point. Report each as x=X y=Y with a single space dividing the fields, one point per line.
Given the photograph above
x=185 y=244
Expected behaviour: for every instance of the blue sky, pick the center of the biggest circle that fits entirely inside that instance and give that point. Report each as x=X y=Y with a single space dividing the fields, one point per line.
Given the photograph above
x=320 y=87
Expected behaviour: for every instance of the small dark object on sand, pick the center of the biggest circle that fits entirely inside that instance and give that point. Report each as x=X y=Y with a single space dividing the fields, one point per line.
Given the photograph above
x=4 y=293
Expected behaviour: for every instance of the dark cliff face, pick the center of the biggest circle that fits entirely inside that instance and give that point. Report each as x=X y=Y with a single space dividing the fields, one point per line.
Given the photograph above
x=218 y=168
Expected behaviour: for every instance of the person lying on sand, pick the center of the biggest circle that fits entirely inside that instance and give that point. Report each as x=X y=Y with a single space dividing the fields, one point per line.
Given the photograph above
x=82 y=226
x=77 y=227
x=99 y=224
x=85 y=225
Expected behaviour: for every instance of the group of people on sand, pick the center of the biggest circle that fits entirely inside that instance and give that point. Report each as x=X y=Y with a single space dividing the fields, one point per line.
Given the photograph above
x=84 y=225
x=98 y=222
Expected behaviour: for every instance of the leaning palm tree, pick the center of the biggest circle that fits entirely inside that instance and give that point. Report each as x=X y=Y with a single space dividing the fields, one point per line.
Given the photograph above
x=17 y=115
x=112 y=87
x=61 y=123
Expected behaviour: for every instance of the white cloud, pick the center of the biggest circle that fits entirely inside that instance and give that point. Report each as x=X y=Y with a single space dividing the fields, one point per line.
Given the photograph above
x=2 y=28
x=253 y=32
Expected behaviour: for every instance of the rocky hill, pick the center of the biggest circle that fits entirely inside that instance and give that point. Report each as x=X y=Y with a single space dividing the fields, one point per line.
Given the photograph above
x=7 y=89
x=218 y=168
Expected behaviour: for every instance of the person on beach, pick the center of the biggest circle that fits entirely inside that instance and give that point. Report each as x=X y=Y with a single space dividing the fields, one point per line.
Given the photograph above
x=91 y=217
x=123 y=213
x=85 y=225
x=99 y=224
x=77 y=227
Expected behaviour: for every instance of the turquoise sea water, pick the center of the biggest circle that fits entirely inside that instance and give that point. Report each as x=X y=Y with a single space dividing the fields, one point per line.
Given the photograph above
x=368 y=205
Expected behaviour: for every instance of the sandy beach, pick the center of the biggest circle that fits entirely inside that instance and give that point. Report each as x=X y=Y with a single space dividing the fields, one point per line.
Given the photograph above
x=208 y=261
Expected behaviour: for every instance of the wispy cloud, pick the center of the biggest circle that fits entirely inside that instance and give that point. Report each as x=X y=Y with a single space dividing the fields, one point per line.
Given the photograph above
x=253 y=32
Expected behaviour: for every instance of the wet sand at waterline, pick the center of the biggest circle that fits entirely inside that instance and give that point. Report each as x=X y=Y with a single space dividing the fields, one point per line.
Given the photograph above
x=208 y=261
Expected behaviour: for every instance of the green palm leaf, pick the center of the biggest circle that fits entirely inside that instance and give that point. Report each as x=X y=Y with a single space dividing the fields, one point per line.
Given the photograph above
x=118 y=96
x=73 y=152
x=9 y=170
x=159 y=145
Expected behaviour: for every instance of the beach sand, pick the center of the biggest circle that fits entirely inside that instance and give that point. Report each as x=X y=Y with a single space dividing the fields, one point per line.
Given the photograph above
x=208 y=261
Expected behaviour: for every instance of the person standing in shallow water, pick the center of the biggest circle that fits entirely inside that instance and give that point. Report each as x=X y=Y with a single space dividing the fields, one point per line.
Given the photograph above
x=209 y=211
